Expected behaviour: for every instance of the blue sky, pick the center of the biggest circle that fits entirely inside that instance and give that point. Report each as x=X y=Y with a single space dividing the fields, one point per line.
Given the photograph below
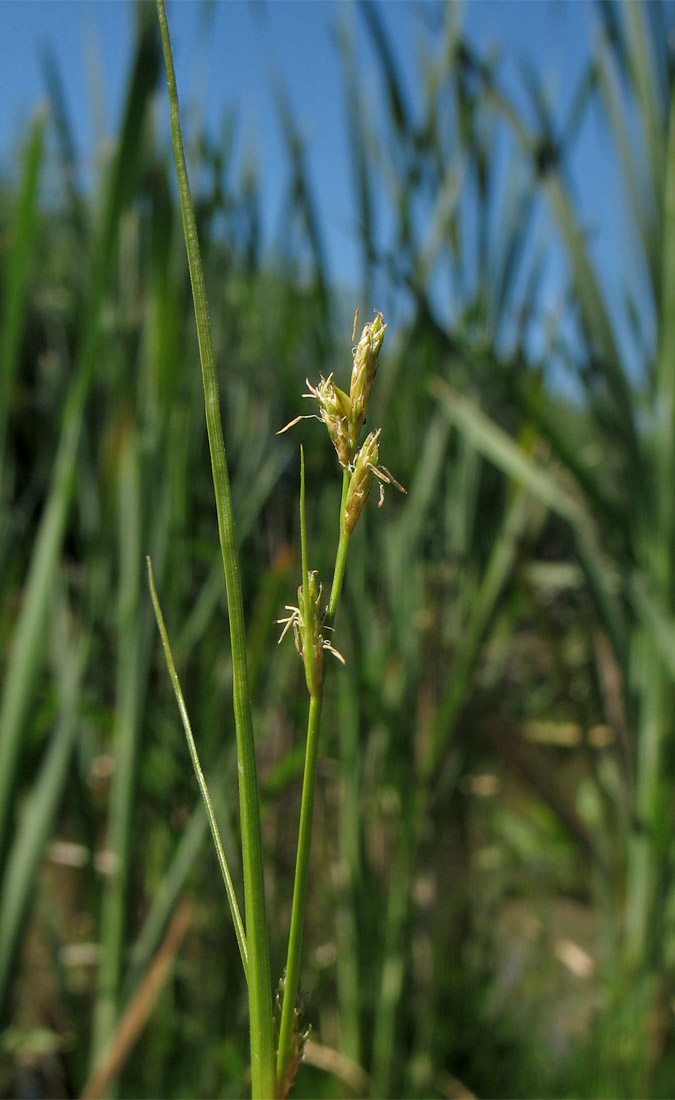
x=226 y=53
x=226 y=56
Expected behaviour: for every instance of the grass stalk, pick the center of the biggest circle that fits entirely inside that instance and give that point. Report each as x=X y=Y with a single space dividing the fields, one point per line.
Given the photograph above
x=392 y=973
x=340 y=557
x=26 y=652
x=287 y=1040
x=648 y=863
x=286 y=1048
x=37 y=819
x=287 y=1045
x=132 y=665
x=343 y=416
x=173 y=883
x=208 y=806
x=348 y=869
x=259 y=983
x=16 y=281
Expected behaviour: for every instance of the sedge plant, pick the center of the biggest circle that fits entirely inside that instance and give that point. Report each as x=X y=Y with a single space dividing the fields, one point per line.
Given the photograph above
x=312 y=623
x=277 y=1036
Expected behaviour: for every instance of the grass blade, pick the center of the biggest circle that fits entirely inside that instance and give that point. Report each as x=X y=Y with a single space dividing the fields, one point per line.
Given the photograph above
x=173 y=882
x=260 y=993
x=131 y=675
x=38 y=814
x=15 y=277
x=208 y=805
x=27 y=647
x=496 y=445
x=648 y=866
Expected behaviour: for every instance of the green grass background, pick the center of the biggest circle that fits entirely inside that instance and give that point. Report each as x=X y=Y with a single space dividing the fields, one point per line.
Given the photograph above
x=491 y=902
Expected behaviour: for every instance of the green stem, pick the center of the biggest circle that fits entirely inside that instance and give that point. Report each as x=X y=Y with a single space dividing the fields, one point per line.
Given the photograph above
x=259 y=981
x=309 y=653
x=286 y=1038
x=341 y=555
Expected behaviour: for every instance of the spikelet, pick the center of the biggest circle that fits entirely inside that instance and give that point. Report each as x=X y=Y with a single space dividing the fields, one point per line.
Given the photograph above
x=365 y=469
x=308 y=628
x=362 y=479
x=364 y=369
x=335 y=409
x=344 y=413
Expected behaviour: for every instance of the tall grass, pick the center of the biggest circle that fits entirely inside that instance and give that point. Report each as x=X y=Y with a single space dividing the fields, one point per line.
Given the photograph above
x=493 y=774
x=622 y=530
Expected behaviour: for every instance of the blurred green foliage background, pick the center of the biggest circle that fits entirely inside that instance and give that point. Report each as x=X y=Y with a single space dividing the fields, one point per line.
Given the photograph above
x=491 y=899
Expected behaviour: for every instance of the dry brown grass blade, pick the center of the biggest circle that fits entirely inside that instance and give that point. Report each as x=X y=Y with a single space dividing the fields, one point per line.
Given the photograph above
x=316 y=1054
x=138 y=1011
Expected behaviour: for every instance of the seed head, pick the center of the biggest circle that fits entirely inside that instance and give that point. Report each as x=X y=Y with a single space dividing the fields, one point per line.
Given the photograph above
x=310 y=633
x=335 y=409
x=308 y=628
x=344 y=413
x=366 y=357
x=365 y=469
x=362 y=479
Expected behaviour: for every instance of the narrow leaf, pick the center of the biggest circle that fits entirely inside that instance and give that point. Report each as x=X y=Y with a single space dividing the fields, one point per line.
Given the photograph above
x=215 y=832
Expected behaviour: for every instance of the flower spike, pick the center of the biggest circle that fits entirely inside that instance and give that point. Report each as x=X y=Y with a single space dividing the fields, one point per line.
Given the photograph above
x=344 y=413
x=308 y=626
x=335 y=409
x=366 y=358
x=365 y=469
